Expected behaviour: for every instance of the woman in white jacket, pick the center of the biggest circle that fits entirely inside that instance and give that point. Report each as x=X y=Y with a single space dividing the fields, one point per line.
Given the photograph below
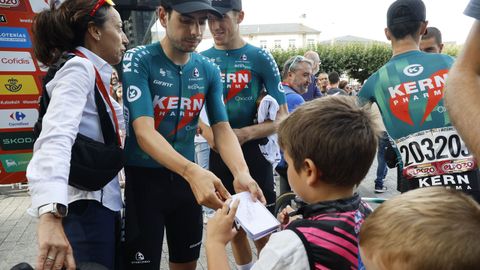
x=92 y=29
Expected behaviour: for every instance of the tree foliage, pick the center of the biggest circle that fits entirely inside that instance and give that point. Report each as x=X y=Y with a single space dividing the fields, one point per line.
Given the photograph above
x=357 y=60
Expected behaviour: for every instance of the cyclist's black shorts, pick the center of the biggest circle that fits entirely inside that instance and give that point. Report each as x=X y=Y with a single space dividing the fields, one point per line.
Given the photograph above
x=260 y=169
x=157 y=199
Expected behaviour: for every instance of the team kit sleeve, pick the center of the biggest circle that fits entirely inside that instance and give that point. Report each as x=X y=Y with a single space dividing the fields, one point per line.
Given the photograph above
x=214 y=97
x=366 y=93
x=137 y=97
x=270 y=75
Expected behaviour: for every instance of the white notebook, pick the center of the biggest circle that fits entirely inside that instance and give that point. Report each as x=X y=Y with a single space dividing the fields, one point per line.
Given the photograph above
x=254 y=217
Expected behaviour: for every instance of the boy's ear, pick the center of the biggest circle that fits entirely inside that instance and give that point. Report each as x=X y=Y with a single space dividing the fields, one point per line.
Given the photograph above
x=312 y=173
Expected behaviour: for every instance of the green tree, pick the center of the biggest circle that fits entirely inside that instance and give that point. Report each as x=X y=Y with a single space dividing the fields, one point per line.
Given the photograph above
x=357 y=60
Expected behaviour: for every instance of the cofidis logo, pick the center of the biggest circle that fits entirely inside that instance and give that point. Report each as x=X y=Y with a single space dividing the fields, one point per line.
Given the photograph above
x=14 y=37
x=18 y=118
x=16 y=162
x=18 y=85
x=16 y=61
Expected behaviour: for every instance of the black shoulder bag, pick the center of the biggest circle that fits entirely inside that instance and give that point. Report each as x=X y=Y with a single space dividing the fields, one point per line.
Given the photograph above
x=93 y=164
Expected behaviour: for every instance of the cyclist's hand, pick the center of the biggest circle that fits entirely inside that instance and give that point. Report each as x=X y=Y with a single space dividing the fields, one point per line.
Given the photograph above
x=220 y=228
x=206 y=187
x=245 y=182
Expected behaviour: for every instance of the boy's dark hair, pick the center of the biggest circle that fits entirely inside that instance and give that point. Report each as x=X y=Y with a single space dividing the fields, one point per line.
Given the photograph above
x=433 y=32
x=333 y=77
x=339 y=136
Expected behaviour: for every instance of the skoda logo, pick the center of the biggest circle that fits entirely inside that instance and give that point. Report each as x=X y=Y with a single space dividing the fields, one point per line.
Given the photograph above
x=133 y=93
x=413 y=70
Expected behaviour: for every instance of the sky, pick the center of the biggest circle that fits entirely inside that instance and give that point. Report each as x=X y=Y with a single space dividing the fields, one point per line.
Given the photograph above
x=362 y=18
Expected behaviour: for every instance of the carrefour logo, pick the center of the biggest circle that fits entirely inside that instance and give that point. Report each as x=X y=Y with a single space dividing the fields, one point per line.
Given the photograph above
x=17 y=116
x=413 y=70
x=16 y=61
x=133 y=93
x=14 y=37
x=20 y=118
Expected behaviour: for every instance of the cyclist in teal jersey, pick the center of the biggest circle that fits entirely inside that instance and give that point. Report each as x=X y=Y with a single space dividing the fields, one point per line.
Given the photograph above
x=246 y=70
x=463 y=96
x=166 y=86
x=409 y=93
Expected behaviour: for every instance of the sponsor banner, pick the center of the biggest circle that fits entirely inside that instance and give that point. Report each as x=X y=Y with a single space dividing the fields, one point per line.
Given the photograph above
x=17 y=140
x=18 y=85
x=19 y=101
x=13 y=5
x=16 y=61
x=15 y=162
x=18 y=118
x=14 y=37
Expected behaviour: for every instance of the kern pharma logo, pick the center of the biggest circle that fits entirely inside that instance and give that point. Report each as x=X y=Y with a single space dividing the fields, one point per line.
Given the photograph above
x=15 y=162
x=428 y=91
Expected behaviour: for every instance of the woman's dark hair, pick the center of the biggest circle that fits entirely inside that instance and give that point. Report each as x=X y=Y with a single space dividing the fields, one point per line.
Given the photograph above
x=61 y=29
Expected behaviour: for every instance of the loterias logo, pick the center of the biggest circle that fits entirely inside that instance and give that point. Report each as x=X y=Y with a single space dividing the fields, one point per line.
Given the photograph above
x=17 y=140
x=16 y=61
x=15 y=162
x=14 y=37
x=403 y=94
x=18 y=85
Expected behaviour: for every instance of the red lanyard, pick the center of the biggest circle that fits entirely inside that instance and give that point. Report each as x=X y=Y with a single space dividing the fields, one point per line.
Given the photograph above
x=103 y=91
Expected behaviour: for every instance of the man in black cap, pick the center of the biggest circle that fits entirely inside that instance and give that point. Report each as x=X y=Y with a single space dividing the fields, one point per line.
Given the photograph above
x=246 y=71
x=409 y=93
x=463 y=95
x=166 y=86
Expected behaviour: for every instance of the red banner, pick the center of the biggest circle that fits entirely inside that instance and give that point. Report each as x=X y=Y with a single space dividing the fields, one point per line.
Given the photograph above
x=20 y=87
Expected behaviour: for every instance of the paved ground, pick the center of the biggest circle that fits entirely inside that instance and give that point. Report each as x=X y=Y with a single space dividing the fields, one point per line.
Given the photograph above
x=18 y=229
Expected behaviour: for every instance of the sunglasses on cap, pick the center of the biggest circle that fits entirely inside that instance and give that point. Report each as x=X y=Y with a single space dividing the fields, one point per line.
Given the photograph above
x=99 y=4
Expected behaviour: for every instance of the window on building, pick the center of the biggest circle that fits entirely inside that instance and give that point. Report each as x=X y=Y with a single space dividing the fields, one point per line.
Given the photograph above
x=277 y=44
x=263 y=44
x=311 y=43
x=291 y=43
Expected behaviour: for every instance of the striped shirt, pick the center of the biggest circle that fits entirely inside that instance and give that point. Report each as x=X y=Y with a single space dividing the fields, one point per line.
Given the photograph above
x=329 y=232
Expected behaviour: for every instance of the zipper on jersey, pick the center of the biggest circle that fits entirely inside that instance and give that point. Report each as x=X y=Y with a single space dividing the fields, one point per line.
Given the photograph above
x=180 y=73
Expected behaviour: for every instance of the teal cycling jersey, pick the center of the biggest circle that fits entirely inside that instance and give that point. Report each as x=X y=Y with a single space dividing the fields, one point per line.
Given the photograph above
x=409 y=92
x=172 y=95
x=245 y=72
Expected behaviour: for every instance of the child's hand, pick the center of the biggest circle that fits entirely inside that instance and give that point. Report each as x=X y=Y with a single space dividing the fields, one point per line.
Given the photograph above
x=220 y=227
x=283 y=216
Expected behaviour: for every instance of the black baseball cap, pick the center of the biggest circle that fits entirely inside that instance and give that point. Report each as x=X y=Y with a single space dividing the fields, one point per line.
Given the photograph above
x=402 y=11
x=224 y=6
x=190 y=6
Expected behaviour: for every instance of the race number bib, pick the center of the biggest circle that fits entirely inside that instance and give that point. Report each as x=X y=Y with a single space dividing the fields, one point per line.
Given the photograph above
x=434 y=152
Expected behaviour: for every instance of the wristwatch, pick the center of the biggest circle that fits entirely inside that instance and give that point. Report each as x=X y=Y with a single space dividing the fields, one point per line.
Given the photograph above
x=57 y=209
